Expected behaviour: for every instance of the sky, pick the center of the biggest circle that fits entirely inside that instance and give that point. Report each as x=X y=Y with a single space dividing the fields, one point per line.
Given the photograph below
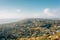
x=21 y=9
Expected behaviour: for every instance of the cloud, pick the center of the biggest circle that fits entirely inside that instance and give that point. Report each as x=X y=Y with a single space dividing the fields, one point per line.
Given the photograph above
x=18 y=10
x=20 y=14
x=11 y=14
x=7 y=14
x=50 y=12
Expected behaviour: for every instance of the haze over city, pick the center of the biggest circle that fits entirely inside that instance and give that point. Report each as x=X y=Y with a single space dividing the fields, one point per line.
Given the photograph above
x=22 y=9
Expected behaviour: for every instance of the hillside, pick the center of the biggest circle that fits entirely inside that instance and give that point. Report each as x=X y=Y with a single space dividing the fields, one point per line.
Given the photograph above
x=30 y=28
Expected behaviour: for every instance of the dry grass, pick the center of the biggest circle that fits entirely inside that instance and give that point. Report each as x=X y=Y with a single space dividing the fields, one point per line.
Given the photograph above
x=51 y=37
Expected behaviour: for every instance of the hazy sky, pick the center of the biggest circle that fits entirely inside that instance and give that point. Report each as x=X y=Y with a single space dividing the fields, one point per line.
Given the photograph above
x=10 y=9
